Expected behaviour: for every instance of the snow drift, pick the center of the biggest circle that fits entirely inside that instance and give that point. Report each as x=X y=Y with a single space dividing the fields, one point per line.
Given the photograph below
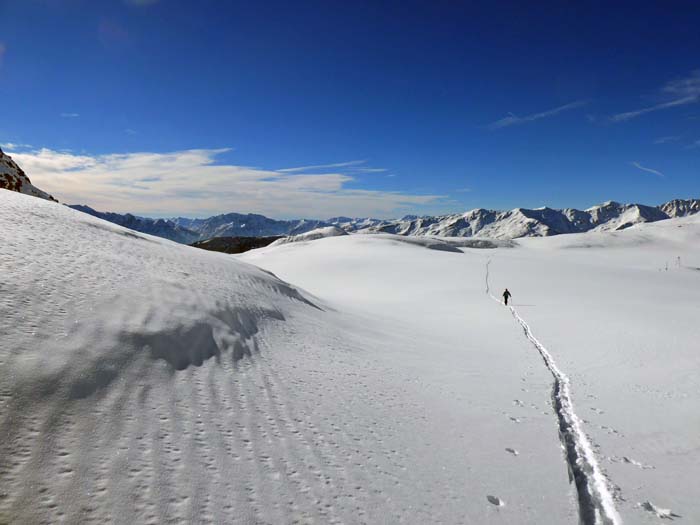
x=319 y=233
x=100 y=323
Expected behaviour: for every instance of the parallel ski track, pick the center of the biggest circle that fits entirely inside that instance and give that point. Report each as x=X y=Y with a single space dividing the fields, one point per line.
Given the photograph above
x=596 y=502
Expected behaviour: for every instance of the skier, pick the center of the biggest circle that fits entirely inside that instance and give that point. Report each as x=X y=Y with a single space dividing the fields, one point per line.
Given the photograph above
x=506 y=296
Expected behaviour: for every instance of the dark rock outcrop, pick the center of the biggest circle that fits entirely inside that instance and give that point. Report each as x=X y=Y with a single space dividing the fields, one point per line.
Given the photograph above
x=14 y=179
x=234 y=244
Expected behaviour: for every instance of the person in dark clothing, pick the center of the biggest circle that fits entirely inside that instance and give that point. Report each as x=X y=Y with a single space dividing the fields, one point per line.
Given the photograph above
x=506 y=296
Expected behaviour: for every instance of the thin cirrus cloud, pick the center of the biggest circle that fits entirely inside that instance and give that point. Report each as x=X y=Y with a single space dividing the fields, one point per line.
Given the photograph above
x=190 y=182
x=514 y=120
x=353 y=166
x=679 y=92
x=70 y=115
x=648 y=170
x=323 y=166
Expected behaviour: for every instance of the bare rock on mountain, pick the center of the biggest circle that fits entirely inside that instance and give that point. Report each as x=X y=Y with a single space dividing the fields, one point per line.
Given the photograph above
x=681 y=207
x=234 y=245
x=14 y=179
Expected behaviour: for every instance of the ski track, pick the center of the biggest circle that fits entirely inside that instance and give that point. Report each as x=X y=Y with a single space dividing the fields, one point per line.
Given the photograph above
x=596 y=502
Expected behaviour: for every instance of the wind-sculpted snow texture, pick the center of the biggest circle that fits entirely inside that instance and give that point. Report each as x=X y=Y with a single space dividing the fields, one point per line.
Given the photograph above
x=148 y=382
x=142 y=381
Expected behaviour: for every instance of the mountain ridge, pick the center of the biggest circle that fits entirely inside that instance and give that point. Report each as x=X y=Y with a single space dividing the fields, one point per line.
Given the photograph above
x=479 y=222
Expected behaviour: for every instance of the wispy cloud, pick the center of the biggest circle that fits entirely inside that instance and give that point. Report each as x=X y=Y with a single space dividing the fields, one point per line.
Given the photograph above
x=351 y=167
x=679 y=92
x=70 y=115
x=648 y=170
x=323 y=166
x=621 y=117
x=513 y=120
x=191 y=182
x=13 y=146
x=369 y=170
x=463 y=190
x=666 y=140
x=693 y=145
x=130 y=131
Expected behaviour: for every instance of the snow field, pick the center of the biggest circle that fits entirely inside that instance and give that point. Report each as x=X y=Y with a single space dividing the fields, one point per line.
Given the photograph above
x=148 y=382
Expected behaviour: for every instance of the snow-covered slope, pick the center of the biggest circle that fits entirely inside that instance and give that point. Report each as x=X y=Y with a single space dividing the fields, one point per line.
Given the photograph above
x=611 y=315
x=319 y=233
x=14 y=179
x=159 y=227
x=145 y=381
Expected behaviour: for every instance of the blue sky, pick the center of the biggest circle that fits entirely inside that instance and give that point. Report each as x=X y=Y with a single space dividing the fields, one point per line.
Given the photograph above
x=353 y=108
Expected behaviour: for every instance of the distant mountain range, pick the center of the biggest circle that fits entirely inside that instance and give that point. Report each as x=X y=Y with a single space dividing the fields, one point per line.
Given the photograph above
x=540 y=222
x=188 y=231
x=480 y=223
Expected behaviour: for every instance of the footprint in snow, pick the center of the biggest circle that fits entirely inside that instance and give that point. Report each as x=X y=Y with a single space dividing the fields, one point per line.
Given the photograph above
x=512 y=451
x=630 y=461
x=495 y=500
x=660 y=513
x=518 y=403
x=514 y=419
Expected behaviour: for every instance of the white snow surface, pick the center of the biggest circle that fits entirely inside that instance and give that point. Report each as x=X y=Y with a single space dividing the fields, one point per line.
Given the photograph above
x=616 y=311
x=318 y=233
x=142 y=381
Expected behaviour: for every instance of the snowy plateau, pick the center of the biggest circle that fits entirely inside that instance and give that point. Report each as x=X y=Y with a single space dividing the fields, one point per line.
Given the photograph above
x=362 y=378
